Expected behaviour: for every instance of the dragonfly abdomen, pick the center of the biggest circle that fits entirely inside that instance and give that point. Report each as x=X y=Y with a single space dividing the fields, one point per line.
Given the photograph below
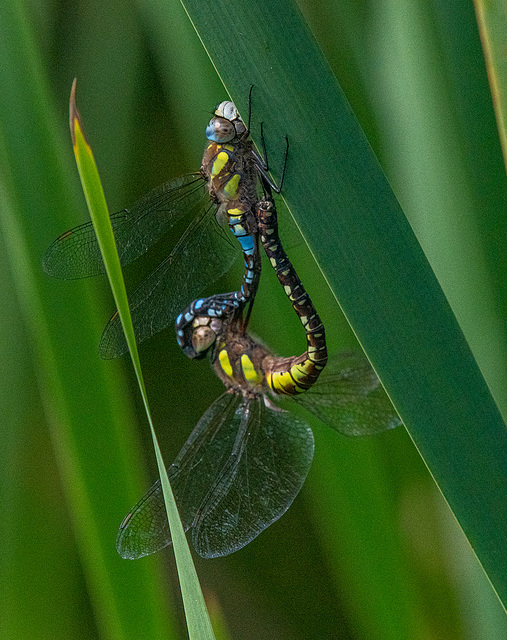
x=291 y=376
x=242 y=227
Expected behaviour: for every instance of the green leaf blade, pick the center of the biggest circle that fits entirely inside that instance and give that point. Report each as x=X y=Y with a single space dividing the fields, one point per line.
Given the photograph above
x=373 y=264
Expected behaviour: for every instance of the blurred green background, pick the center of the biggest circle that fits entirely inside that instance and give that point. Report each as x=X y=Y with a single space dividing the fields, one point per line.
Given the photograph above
x=369 y=549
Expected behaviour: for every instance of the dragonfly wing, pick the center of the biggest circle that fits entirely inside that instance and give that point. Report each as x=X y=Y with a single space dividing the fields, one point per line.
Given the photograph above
x=201 y=256
x=269 y=468
x=76 y=254
x=349 y=397
x=145 y=529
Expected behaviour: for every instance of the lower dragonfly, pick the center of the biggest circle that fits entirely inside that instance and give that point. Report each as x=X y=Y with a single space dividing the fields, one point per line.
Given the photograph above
x=225 y=190
x=247 y=459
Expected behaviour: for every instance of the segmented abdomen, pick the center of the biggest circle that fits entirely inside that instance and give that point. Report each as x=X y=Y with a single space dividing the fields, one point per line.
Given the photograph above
x=294 y=375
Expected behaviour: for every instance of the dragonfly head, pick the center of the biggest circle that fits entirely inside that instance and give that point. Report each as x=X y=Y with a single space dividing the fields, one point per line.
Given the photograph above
x=204 y=335
x=226 y=124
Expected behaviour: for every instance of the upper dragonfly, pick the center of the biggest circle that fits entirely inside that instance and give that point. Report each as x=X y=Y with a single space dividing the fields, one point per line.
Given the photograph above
x=224 y=190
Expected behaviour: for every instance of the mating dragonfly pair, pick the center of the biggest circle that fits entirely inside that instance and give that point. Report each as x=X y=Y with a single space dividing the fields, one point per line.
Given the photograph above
x=246 y=459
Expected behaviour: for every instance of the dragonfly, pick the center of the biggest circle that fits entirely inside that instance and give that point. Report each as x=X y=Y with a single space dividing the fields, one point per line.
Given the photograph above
x=223 y=193
x=247 y=458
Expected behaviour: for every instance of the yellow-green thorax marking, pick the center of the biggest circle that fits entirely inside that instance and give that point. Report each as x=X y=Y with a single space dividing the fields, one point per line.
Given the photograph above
x=239 y=362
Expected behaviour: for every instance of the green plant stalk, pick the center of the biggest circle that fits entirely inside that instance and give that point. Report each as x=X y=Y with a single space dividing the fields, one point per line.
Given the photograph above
x=371 y=260
x=198 y=622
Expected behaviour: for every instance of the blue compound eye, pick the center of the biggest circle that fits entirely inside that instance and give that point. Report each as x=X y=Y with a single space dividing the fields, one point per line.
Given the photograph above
x=220 y=130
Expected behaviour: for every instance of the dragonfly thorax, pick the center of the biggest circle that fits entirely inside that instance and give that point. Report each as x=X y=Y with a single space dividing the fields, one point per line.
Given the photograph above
x=237 y=358
x=238 y=362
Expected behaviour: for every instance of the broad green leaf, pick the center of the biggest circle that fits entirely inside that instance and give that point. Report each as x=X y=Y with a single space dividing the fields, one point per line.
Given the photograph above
x=371 y=260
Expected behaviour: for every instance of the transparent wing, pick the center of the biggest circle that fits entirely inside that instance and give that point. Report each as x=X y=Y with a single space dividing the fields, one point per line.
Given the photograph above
x=239 y=471
x=348 y=396
x=76 y=254
x=271 y=457
x=199 y=258
x=145 y=529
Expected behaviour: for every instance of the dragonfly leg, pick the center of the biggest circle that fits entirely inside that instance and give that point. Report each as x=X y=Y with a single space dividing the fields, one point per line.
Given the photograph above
x=262 y=164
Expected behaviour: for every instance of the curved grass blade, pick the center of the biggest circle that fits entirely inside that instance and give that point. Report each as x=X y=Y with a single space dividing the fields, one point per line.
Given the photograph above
x=439 y=139
x=199 y=625
x=372 y=261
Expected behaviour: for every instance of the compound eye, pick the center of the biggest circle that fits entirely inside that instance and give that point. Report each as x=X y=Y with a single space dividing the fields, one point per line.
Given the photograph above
x=220 y=130
x=202 y=339
x=227 y=110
